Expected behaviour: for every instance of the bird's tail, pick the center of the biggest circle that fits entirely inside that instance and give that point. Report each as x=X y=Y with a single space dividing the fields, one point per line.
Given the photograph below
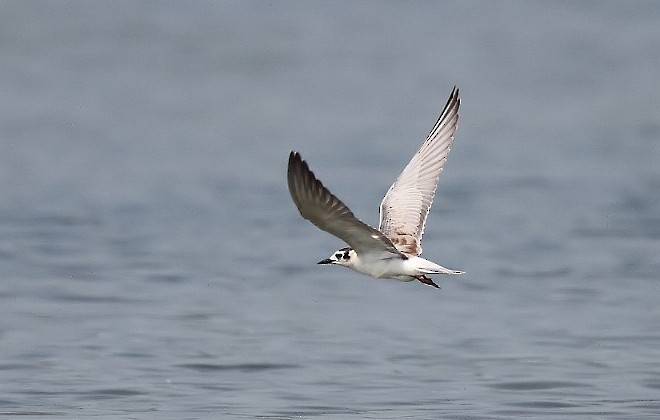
x=429 y=267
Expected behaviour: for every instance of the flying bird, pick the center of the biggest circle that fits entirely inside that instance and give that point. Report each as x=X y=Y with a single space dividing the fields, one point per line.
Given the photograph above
x=393 y=250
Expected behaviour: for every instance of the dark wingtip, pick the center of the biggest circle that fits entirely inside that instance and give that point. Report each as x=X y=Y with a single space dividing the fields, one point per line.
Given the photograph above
x=295 y=160
x=293 y=155
x=297 y=166
x=300 y=178
x=454 y=94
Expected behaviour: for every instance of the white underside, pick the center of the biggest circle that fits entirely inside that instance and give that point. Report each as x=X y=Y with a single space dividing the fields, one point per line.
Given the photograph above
x=397 y=268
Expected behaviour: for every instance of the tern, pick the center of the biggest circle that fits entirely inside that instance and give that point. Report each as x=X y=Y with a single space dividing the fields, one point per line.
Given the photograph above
x=393 y=251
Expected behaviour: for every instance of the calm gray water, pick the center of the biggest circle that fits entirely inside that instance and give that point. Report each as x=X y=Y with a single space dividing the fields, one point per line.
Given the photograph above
x=153 y=266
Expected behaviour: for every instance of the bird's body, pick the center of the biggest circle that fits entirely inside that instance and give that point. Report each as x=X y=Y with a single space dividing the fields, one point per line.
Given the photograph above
x=397 y=268
x=393 y=250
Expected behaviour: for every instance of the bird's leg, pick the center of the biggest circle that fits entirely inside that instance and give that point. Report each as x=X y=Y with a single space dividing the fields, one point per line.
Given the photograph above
x=427 y=280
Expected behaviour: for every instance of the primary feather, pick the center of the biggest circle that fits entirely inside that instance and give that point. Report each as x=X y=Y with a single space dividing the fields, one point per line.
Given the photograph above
x=318 y=205
x=405 y=207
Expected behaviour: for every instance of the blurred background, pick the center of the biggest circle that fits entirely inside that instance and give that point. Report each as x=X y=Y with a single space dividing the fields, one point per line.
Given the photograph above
x=152 y=264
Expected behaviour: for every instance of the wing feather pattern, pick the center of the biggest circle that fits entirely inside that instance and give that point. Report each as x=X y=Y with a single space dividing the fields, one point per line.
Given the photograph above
x=318 y=205
x=405 y=207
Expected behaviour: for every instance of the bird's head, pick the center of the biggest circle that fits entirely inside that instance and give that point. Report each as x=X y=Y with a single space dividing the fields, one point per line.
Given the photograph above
x=344 y=256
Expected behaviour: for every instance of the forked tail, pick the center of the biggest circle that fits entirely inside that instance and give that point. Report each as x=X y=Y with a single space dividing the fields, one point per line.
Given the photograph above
x=444 y=270
x=432 y=268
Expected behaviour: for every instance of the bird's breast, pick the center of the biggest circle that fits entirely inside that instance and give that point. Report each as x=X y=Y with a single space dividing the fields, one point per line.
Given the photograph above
x=379 y=267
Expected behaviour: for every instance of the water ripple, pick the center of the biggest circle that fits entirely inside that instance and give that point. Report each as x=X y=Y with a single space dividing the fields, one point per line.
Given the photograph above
x=242 y=367
x=536 y=385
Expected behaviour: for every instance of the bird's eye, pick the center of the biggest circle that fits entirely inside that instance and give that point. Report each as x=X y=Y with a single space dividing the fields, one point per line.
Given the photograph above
x=338 y=256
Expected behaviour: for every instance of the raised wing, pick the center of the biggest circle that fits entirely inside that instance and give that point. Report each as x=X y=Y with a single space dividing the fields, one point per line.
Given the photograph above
x=328 y=213
x=404 y=209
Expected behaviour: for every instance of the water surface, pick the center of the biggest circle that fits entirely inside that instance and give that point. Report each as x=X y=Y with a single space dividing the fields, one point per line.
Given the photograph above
x=152 y=264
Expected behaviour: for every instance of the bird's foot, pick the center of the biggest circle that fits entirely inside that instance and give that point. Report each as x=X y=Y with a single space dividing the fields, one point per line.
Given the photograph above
x=427 y=280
